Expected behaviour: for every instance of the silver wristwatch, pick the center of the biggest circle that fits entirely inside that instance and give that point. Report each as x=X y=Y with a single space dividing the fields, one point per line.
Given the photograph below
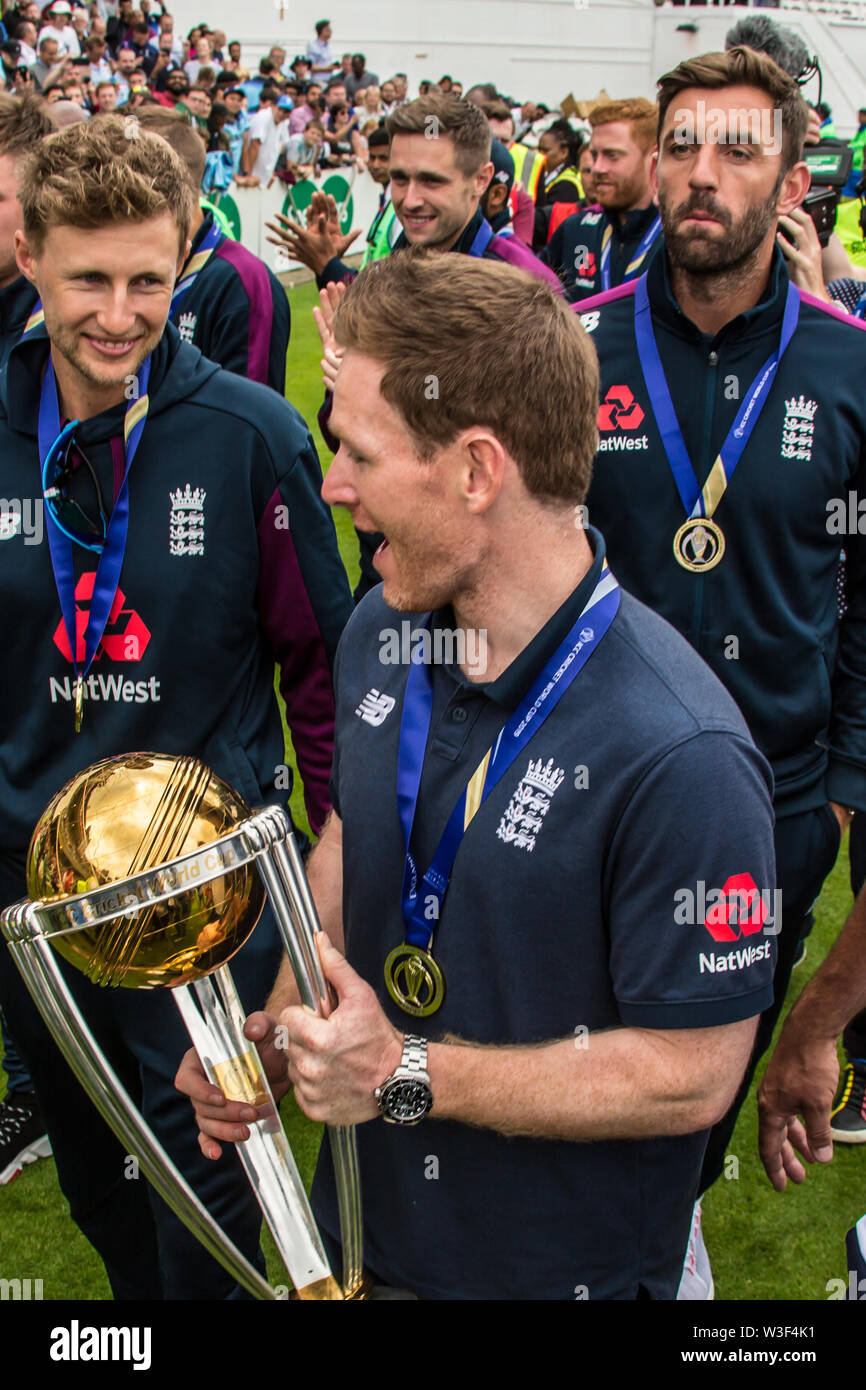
x=405 y=1096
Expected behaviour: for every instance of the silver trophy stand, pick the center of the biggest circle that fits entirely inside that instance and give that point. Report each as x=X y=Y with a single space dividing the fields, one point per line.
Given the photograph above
x=212 y=1012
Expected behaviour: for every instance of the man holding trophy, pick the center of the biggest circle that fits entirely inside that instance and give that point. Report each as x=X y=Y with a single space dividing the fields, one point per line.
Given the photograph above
x=171 y=547
x=538 y=1016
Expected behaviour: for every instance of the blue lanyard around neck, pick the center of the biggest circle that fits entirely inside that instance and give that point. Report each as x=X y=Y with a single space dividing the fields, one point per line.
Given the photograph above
x=547 y=690
x=60 y=545
x=637 y=260
x=698 y=500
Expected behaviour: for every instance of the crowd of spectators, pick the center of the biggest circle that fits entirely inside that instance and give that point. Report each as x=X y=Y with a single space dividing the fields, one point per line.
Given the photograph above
x=285 y=117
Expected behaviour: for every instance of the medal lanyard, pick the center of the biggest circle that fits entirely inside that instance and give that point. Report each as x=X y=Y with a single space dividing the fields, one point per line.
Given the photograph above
x=377 y=222
x=702 y=501
x=639 y=257
x=543 y=697
x=482 y=239
x=37 y=317
x=60 y=546
x=194 y=266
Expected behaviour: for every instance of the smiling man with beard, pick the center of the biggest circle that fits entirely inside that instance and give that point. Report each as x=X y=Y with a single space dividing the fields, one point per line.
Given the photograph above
x=593 y=250
x=713 y=361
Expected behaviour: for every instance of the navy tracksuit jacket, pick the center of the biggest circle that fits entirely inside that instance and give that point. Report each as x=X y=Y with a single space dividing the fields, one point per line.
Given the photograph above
x=797 y=673
x=236 y=312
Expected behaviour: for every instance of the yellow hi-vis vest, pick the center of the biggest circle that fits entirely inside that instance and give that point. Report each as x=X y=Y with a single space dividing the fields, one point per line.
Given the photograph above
x=528 y=167
x=849 y=232
x=568 y=175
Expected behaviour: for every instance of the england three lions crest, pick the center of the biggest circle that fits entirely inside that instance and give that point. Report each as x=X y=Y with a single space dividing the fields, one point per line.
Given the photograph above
x=529 y=804
x=798 y=429
x=186 y=521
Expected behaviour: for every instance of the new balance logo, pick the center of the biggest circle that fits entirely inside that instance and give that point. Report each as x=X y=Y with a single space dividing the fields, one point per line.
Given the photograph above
x=375 y=708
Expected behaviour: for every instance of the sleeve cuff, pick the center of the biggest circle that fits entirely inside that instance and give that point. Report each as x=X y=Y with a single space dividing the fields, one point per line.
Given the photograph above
x=699 y=1013
x=846 y=784
x=335 y=271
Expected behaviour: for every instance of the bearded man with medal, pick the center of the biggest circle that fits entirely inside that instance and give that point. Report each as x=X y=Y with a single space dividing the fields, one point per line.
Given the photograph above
x=731 y=417
x=150 y=618
x=614 y=239
x=524 y=1035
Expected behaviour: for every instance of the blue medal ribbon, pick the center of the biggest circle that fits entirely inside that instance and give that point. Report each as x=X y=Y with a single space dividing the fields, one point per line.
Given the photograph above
x=194 y=267
x=482 y=239
x=702 y=501
x=60 y=545
x=638 y=259
x=547 y=690
x=36 y=318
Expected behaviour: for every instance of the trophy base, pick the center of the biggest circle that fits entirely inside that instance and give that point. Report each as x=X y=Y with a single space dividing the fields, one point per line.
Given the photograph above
x=320 y=1291
x=366 y=1291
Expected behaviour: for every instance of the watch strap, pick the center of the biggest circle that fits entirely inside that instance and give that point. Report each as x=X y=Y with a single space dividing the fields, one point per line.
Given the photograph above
x=414 y=1058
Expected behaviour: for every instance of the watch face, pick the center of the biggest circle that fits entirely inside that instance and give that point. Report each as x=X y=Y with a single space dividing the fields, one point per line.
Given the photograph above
x=407 y=1100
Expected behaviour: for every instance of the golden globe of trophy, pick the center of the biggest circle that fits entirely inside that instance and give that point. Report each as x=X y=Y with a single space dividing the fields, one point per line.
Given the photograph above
x=126 y=815
x=148 y=871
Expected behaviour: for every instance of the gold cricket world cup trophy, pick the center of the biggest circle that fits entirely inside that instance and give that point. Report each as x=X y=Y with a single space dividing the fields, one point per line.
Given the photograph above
x=149 y=872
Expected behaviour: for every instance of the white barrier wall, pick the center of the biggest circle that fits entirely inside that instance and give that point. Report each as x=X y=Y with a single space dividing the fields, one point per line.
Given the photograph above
x=248 y=209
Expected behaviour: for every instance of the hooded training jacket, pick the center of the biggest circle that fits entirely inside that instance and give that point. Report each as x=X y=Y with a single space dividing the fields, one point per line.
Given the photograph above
x=231 y=564
x=575 y=249
x=236 y=312
x=765 y=618
x=17 y=302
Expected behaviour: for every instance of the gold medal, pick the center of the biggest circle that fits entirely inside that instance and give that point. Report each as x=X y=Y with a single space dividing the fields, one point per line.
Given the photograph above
x=699 y=544
x=79 y=703
x=414 y=980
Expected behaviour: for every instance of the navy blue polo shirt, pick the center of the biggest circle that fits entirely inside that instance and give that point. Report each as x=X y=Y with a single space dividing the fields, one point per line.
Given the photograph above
x=568 y=909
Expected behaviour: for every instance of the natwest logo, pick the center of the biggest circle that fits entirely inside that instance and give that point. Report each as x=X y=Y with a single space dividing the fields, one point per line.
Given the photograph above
x=619 y=410
x=584 y=261
x=125 y=637
x=739 y=910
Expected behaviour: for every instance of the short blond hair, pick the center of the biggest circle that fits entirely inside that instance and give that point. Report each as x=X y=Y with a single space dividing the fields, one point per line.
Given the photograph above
x=504 y=350
x=103 y=171
x=643 y=116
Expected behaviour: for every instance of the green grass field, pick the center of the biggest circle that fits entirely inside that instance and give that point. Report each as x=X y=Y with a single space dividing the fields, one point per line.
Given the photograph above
x=762 y=1244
